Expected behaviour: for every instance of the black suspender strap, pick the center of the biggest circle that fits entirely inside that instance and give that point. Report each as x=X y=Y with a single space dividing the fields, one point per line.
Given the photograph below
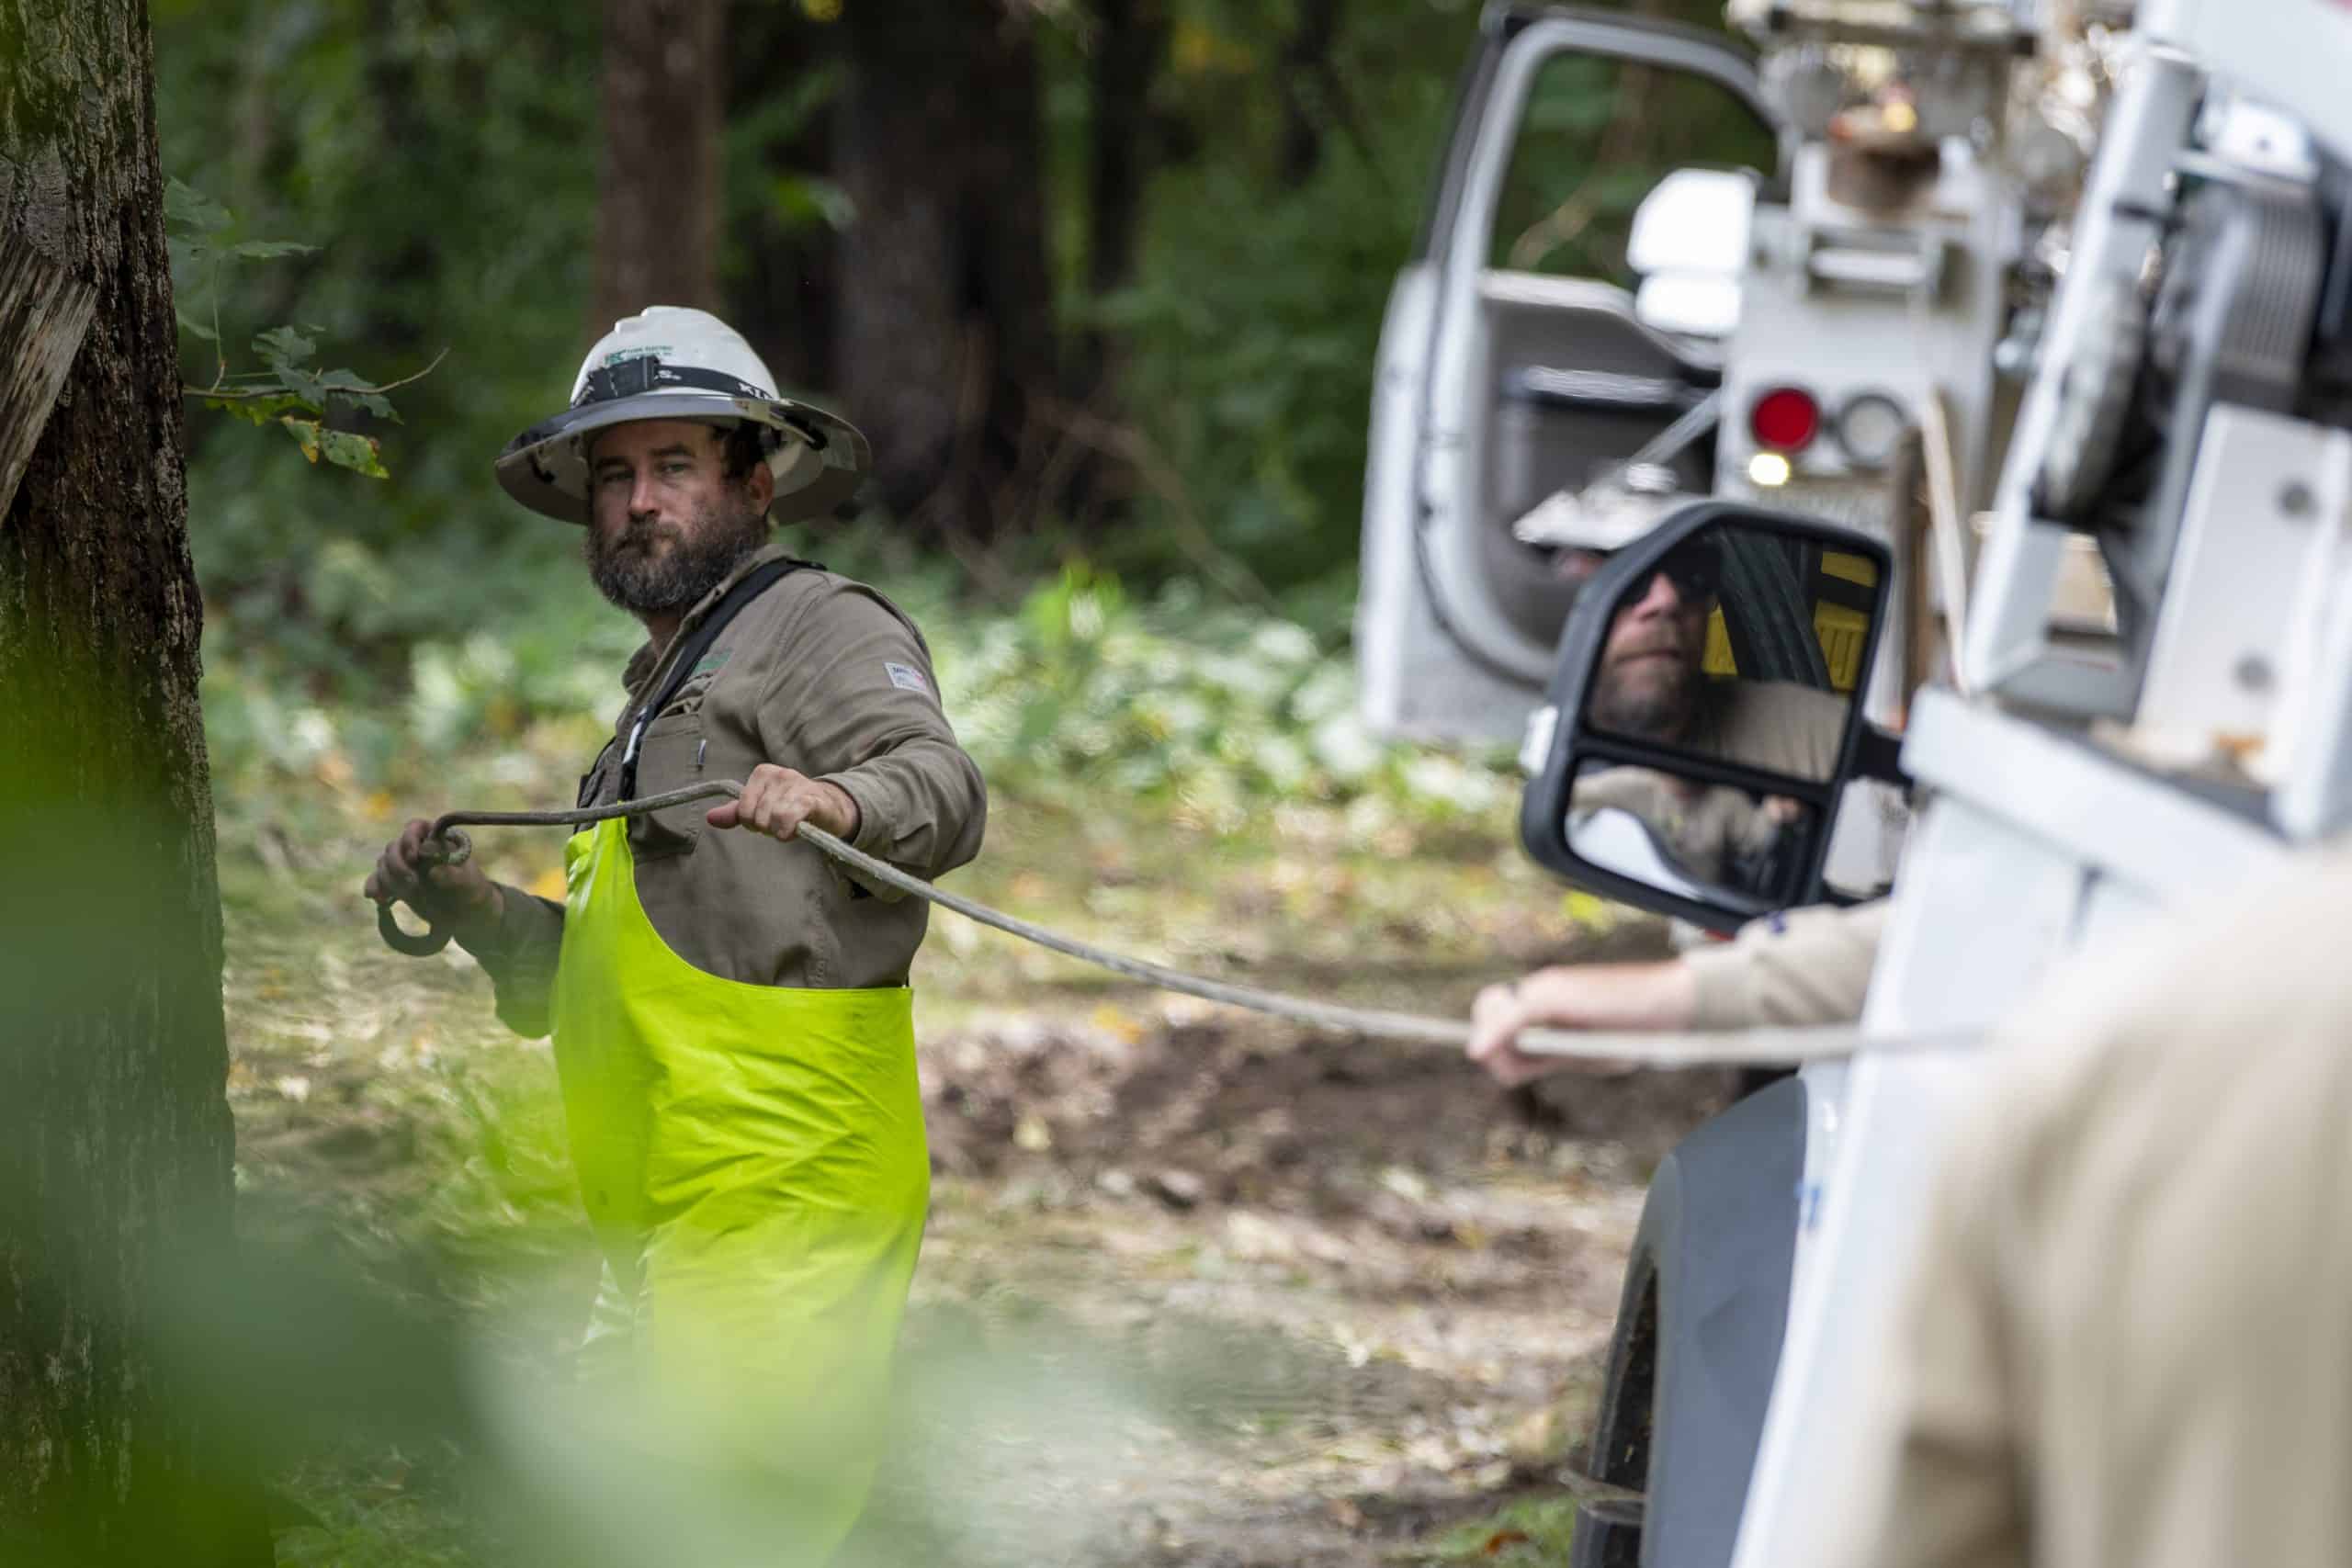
x=689 y=653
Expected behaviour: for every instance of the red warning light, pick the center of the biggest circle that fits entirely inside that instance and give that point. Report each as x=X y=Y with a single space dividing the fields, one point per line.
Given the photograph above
x=1785 y=419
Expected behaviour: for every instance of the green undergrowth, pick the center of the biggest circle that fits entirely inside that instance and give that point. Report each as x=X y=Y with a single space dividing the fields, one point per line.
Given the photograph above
x=1080 y=691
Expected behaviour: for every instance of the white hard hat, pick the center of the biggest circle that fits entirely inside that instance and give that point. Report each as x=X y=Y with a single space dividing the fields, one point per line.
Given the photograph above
x=673 y=362
x=1607 y=515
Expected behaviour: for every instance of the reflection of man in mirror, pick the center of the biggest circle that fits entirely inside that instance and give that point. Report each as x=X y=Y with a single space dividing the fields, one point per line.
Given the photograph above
x=1650 y=684
x=1711 y=833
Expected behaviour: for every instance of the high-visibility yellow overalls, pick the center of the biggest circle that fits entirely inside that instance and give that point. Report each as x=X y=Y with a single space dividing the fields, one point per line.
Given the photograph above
x=753 y=1163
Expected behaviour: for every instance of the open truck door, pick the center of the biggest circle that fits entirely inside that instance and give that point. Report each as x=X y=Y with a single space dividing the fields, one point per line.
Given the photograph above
x=1517 y=361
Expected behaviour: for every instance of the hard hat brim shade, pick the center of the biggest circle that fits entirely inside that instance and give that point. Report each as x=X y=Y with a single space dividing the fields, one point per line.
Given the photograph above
x=1566 y=520
x=822 y=459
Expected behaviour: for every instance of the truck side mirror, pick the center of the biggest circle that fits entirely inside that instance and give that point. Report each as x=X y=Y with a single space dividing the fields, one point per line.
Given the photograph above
x=1706 y=711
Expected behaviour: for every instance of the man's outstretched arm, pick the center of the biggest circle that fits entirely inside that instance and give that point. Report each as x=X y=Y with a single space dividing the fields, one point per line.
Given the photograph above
x=1810 y=966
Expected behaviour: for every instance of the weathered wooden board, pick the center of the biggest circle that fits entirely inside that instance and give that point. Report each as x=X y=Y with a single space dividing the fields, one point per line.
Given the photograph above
x=44 y=312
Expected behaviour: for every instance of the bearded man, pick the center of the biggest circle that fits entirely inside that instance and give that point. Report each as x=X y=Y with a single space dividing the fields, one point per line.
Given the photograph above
x=732 y=1023
x=1651 y=684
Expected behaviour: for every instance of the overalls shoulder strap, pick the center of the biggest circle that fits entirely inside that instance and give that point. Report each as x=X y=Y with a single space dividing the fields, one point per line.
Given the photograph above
x=688 y=654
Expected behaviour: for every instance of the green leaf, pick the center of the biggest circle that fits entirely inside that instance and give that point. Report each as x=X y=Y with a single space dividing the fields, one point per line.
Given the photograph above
x=304 y=384
x=306 y=432
x=349 y=386
x=358 y=453
x=281 y=346
x=189 y=209
x=283 y=349
x=199 y=328
x=254 y=411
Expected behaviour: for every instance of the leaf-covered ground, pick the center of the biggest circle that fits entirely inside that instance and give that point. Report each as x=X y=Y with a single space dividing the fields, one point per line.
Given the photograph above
x=1199 y=1287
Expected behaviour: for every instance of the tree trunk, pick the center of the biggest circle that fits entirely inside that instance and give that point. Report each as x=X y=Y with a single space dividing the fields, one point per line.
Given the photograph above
x=44 y=310
x=1306 y=78
x=658 y=188
x=1130 y=44
x=393 y=325
x=115 y=1138
x=946 y=311
x=784 y=295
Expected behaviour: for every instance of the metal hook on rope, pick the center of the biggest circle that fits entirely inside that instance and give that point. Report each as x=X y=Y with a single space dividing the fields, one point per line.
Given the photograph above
x=444 y=846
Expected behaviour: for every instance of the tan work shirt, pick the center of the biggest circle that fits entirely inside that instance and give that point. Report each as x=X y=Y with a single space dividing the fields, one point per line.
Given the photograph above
x=1807 y=966
x=821 y=674
x=1778 y=724
x=2129 y=1342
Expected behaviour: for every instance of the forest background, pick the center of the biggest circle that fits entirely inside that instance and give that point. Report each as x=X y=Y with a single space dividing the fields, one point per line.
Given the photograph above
x=1102 y=280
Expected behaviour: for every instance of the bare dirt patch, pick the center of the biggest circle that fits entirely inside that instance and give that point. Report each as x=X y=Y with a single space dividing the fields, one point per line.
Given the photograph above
x=1350 y=1295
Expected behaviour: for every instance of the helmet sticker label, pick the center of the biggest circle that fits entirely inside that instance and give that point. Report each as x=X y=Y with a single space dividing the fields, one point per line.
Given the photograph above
x=905 y=677
x=623 y=356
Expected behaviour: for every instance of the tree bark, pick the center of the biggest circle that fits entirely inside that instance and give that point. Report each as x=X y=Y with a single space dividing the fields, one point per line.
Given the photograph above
x=657 y=220
x=946 y=326
x=1306 y=76
x=784 y=296
x=43 y=313
x=393 y=325
x=1130 y=44
x=115 y=1137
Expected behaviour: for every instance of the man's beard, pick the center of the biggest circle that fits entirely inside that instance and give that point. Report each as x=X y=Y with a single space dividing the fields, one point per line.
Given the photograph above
x=699 y=559
x=1653 y=704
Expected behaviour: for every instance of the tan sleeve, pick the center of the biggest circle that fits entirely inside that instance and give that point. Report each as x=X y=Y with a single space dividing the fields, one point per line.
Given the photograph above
x=855 y=698
x=1808 y=967
x=1780 y=725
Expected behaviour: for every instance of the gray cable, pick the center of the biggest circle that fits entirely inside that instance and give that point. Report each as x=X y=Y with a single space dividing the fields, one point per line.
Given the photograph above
x=1751 y=1047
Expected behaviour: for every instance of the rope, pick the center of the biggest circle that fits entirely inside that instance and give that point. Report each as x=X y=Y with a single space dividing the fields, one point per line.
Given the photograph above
x=1752 y=1047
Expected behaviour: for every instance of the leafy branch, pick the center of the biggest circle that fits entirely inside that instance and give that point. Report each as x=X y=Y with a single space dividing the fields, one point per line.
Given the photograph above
x=289 y=389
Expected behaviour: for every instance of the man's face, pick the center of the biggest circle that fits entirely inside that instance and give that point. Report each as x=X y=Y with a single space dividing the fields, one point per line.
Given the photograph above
x=1649 y=665
x=665 y=524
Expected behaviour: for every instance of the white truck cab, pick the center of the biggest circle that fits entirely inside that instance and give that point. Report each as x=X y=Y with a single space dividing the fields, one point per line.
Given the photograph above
x=2188 y=423
x=1765 y=326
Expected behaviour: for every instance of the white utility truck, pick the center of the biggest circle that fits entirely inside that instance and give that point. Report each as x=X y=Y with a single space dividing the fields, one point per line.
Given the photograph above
x=2151 y=689
x=2185 y=417
x=1809 y=327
